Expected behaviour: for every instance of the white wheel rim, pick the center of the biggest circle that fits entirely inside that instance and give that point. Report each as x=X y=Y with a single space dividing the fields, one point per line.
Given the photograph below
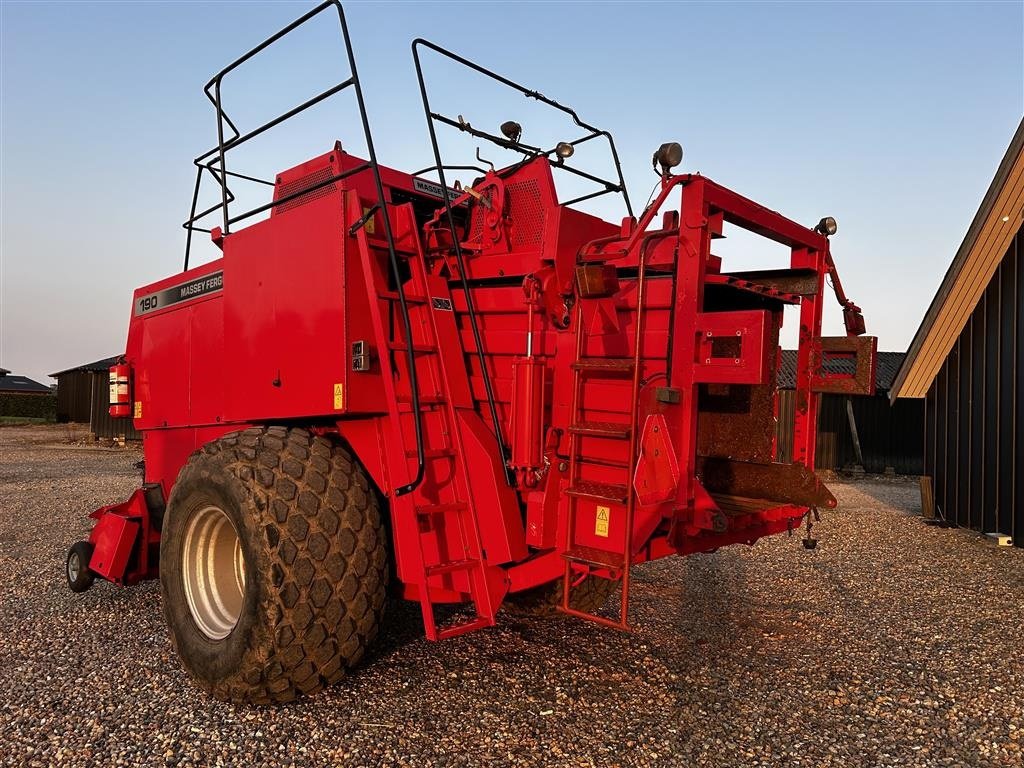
x=213 y=570
x=73 y=566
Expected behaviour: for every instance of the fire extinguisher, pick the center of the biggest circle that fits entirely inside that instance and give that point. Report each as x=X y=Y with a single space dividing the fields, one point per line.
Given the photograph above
x=120 y=398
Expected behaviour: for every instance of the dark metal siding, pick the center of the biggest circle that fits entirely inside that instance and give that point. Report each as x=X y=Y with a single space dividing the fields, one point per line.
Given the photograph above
x=74 y=396
x=98 y=415
x=784 y=425
x=974 y=433
x=100 y=422
x=890 y=435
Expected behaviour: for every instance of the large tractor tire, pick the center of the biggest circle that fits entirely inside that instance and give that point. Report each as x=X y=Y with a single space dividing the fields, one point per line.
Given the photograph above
x=589 y=596
x=273 y=564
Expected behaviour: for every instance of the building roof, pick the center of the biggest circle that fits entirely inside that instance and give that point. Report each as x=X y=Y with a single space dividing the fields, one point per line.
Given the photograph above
x=100 y=366
x=888 y=364
x=987 y=240
x=21 y=384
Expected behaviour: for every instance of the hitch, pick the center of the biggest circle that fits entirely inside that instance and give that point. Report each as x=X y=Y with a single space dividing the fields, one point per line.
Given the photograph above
x=123 y=547
x=808 y=541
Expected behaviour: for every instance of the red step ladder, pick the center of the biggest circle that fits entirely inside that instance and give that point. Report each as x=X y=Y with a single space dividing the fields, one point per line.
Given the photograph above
x=429 y=297
x=591 y=561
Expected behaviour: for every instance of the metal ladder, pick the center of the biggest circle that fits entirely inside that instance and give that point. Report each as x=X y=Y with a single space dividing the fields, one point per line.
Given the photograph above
x=432 y=295
x=589 y=368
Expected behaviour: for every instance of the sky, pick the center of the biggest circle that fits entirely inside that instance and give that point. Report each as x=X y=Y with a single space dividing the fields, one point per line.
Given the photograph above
x=891 y=117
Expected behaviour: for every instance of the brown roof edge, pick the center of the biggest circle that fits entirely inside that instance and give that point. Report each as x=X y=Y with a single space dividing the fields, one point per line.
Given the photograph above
x=99 y=366
x=955 y=267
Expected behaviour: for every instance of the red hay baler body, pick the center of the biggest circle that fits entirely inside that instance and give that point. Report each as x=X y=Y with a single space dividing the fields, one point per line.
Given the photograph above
x=536 y=393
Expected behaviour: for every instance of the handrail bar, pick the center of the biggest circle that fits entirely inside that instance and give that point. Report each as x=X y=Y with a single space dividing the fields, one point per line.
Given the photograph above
x=530 y=94
x=215 y=162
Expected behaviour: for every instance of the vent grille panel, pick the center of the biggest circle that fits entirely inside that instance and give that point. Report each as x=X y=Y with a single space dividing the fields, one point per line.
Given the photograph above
x=527 y=213
x=304 y=182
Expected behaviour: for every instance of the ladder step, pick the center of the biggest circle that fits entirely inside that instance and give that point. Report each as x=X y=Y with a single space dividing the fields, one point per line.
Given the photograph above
x=424 y=399
x=610 y=364
x=382 y=244
x=467 y=626
x=436 y=509
x=401 y=346
x=592 y=489
x=600 y=429
x=450 y=567
x=412 y=298
x=431 y=453
x=599 y=558
x=604 y=464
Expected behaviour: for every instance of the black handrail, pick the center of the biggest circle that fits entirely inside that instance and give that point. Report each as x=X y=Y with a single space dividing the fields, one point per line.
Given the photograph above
x=528 y=150
x=214 y=161
x=592 y=132
x=492 y=407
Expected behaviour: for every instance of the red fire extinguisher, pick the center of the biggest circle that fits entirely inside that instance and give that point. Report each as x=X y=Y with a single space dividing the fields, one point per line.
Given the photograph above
x=120 y=398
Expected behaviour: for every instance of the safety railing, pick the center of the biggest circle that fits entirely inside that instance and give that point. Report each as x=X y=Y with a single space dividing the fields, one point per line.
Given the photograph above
x=229 y=137
x=530 y=153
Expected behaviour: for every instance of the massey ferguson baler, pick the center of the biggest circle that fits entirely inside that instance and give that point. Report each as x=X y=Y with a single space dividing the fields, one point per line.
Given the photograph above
x=467 y=395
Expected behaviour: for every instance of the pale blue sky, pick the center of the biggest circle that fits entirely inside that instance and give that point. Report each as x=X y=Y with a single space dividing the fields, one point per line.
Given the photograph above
x=892 y=117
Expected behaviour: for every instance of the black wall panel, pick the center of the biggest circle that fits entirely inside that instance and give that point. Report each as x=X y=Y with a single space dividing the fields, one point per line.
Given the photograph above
x=974 y=433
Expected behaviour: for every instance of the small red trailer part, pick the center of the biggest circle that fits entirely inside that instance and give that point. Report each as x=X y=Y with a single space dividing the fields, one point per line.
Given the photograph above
x=123 y=545
x=464 y=394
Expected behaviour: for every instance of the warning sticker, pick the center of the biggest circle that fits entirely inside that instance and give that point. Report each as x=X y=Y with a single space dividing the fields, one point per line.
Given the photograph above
x=138 y=409
x=339 y=397
x=369 y=226
x=601 y=521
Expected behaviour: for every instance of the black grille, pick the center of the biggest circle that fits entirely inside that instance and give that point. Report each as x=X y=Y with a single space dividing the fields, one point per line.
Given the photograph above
x=305 y=182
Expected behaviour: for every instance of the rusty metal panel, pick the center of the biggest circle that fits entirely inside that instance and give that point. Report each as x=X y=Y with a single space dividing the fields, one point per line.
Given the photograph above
x=737 y=420
x=844 y=365
x=786 y=483
x=799 y=281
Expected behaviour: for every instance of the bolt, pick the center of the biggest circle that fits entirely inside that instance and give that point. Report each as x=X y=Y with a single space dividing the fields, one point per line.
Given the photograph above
x=562 y=466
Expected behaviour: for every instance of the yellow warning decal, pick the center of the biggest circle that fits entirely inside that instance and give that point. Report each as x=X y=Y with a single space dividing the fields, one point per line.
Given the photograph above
x=138 y=409
x=369 y=230
x=339 y=397
x=601 y=522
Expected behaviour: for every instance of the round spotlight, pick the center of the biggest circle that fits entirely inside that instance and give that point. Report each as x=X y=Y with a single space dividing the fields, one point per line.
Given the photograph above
x=564 y=149
x=669 y=155
x=511 y=130
x=827 y=226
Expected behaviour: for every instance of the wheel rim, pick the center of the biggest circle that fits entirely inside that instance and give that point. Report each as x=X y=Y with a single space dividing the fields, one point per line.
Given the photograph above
x=74 y=566
x=213 y=569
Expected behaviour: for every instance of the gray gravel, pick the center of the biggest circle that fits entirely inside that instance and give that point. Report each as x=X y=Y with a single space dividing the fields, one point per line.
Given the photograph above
x=891 y=644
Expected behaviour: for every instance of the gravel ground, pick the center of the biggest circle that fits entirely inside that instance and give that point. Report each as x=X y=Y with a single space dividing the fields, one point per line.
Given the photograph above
x=891 y=644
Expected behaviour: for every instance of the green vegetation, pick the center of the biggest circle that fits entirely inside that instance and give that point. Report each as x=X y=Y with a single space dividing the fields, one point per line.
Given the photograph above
x=27 y=409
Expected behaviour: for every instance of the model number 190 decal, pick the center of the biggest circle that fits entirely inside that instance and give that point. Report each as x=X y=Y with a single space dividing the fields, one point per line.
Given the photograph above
x=193 y=289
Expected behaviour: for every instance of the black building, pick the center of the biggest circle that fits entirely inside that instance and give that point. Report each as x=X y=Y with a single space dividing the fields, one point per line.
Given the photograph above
x=888 y=435
x=21 y=385
x=83 y=396
x=965 y=362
